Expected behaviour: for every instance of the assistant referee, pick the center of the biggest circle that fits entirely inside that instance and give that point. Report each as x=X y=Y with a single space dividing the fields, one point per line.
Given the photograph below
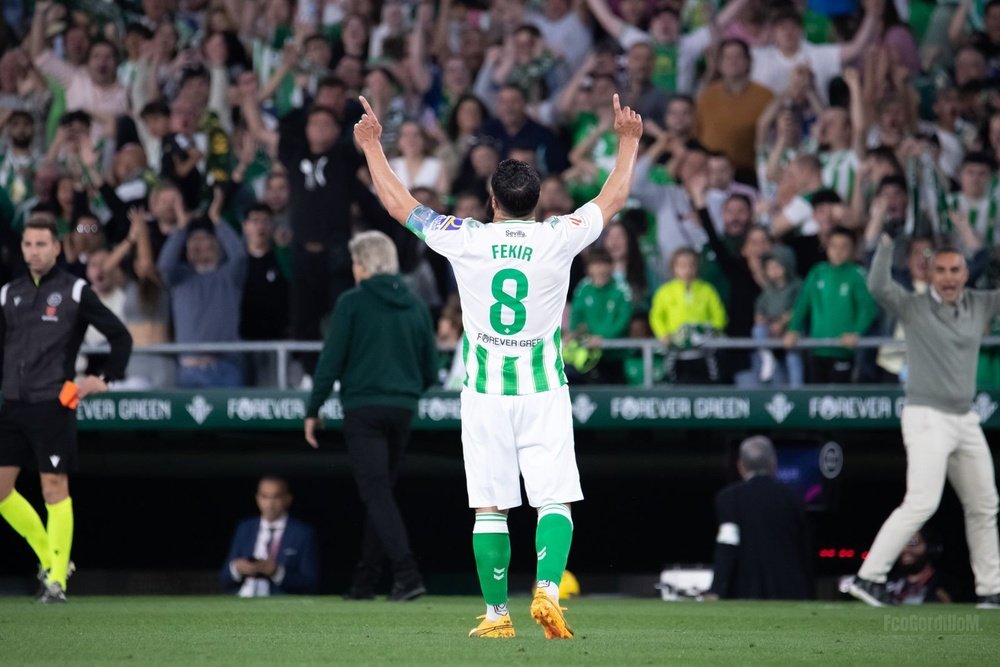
x=43 y=318
x=942 y=435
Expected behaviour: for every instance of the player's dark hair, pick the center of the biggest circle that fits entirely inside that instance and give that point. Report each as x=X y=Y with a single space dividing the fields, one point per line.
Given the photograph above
x=516 y=186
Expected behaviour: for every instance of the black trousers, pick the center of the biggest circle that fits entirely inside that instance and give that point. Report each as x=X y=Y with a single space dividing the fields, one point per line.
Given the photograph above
x=318 y=280
x=830 y=370
x=376 y=437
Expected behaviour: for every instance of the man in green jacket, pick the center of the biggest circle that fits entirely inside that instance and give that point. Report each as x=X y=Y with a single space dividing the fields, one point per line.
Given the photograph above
x=380 y=345
x=837 y=304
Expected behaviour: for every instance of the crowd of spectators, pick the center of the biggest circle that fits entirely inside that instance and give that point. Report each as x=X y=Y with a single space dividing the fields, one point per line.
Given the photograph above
x=198 y=160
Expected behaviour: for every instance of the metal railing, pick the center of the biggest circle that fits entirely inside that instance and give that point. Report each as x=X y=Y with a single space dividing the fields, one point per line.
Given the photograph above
x=283 y=349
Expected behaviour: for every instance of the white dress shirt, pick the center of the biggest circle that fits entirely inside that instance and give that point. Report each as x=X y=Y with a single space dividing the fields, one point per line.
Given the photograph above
x=268 y=532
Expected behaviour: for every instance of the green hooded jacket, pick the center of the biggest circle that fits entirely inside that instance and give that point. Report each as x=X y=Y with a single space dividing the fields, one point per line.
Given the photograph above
x=380 y=345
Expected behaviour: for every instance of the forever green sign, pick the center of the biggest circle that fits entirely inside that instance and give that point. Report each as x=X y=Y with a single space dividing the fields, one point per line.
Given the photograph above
x=593 y=408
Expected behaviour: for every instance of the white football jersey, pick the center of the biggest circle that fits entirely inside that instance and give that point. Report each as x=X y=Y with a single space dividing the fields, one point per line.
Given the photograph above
x=513 y=277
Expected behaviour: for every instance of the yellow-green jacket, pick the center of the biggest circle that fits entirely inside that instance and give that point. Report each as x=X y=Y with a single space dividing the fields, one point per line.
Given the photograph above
x=676 y=304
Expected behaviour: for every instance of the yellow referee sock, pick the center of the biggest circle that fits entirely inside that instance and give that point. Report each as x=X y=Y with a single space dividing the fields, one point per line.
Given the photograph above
x=23 y=518
x=60 y=539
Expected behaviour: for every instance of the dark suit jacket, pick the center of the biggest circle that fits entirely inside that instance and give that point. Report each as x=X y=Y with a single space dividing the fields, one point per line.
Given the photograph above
x=297 y=554
x=770 y=561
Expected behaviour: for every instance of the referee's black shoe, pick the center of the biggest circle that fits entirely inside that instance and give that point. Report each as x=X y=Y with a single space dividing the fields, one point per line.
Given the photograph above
x=869 y=592
x=989 y=601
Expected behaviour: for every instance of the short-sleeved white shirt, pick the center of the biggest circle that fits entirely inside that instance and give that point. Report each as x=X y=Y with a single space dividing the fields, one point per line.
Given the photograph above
x=513 y=277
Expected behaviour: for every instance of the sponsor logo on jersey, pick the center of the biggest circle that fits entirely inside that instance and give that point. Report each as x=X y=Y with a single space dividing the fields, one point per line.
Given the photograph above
x=577 y=221
x=447 y=223
x=53 y=302
x=515 y=233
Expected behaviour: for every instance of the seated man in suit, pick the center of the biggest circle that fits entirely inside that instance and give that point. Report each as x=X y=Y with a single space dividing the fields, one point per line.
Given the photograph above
x=760 y=551
x=274 y=553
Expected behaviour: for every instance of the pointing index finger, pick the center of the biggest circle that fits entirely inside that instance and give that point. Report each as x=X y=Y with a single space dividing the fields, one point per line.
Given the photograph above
x=368 y=108
x=617 y=105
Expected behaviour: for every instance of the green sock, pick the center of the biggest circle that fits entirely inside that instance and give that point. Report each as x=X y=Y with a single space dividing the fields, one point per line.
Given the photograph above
x=60 y=538
x=25 y=520
x=491 y=544
x=553 y=536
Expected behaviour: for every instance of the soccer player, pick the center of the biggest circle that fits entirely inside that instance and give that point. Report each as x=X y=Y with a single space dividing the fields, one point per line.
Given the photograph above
x=43 y=317
x=513 y=276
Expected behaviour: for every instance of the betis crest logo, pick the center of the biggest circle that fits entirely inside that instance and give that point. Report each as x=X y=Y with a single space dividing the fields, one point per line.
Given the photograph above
x=199 y=409
x=779 y=407
x=583 y=408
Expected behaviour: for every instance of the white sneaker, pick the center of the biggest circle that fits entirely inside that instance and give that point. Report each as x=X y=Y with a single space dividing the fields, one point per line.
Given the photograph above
x=768 y=365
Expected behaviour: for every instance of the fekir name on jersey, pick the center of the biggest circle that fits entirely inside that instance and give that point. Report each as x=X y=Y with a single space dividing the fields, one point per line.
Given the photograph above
x=512 y=277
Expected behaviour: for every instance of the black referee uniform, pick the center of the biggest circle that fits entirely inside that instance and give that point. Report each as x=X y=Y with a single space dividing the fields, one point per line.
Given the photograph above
x=41 y=330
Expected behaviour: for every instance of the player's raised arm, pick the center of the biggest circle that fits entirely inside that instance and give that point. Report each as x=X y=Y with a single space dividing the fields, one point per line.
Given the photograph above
x=628 y=127
x=391 y=192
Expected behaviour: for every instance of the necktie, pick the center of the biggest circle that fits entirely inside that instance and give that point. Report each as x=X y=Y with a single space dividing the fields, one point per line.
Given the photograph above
x=273 y=543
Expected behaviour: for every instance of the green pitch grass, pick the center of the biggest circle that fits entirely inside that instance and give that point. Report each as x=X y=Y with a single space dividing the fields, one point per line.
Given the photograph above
x=192 y=630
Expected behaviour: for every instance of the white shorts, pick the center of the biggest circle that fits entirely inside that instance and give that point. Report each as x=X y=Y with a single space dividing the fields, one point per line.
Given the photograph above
x=504 y=437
